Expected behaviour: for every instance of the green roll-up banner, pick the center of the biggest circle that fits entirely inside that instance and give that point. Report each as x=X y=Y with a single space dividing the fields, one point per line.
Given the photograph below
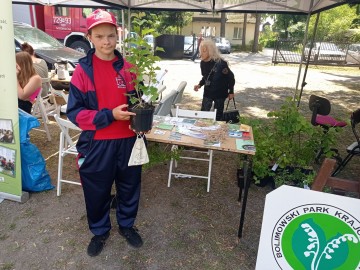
x=10 y=160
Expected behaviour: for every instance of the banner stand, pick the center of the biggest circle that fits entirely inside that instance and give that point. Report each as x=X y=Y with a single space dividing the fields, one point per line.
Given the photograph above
x=10 y=156
x=21 y=199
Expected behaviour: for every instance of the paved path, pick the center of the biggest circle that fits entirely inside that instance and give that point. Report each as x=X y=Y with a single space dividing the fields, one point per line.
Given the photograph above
x=258 y=80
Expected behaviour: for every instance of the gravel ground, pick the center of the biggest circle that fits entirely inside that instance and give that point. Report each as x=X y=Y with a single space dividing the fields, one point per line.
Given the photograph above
x=183 y=227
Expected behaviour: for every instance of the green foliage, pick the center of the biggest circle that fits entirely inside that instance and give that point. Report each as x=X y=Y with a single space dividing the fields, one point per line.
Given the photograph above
x=334 y=23
x=297 y=31
x=353 y=35
x=142 y=58
x=171 y=22
x=249 y=47
x=158 y=154
x=268 y=38
x=284 y=21
x=295 y=177
x=287 y=139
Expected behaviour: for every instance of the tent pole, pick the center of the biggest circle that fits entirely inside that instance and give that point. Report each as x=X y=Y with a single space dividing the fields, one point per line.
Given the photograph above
x=302 y=53
x=308 y=57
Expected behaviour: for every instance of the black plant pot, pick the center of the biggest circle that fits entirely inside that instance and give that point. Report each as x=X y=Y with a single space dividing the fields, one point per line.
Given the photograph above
x=269 y=180
x=142 y=121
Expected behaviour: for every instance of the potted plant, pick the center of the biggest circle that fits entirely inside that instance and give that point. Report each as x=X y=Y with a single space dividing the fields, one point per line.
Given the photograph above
x=286 y=146
x=141 y=56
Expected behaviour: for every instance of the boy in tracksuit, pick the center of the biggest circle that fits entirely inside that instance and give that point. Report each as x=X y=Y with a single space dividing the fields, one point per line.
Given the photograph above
x=98 y=105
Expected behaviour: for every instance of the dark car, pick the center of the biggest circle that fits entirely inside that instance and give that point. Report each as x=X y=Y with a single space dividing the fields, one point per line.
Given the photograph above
x=46 y=47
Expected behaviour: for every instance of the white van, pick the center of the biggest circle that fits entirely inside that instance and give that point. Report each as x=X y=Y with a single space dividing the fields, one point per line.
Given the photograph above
x=190 y=45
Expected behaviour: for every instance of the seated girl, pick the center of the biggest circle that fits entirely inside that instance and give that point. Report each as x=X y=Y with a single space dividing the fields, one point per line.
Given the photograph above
x=28 y=81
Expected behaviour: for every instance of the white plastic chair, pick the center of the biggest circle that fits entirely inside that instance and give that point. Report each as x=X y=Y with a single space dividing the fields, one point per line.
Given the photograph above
x=164 y=106
x=67 y=146
x=160 y=89
x=180 y=91
x=209 y=153
x=60 y=99
x=39 y=111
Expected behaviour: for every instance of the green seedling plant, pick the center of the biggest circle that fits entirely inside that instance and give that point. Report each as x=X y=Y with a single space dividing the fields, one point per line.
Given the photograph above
x=143 y=60
x=288 y=139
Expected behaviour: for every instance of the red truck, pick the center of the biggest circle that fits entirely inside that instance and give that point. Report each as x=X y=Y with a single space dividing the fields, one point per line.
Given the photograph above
x=63 y=23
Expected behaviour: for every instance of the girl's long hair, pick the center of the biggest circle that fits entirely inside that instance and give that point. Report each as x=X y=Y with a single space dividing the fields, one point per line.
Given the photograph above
x=211 y=48
x=26 y=47
x=23 y=59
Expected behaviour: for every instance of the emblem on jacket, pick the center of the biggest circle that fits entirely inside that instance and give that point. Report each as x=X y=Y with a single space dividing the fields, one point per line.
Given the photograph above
x=120 y=82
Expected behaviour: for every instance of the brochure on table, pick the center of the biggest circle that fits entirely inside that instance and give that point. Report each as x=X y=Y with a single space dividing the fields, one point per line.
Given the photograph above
x=197 y=128
x=305 y=229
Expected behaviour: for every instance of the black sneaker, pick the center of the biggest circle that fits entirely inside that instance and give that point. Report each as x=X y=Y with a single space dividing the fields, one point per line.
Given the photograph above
x=97 y=244
x=131 y=235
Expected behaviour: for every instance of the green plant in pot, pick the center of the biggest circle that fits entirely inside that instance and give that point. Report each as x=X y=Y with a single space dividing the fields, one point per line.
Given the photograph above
x=143 y=61
x=286 y=146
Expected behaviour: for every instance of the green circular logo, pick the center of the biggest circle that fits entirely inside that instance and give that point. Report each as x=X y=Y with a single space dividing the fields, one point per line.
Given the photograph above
x=317 y=237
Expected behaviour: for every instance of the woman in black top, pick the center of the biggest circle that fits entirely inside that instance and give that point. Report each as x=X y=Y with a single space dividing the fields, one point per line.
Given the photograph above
x=217 y=78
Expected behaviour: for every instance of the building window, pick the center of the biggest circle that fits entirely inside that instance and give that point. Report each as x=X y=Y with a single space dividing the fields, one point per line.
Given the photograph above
x=237 y=33
x=62 y=11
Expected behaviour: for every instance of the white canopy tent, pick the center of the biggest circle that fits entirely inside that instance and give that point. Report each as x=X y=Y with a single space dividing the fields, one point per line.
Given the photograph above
x=243 y=6
x=72 y=3
x=299 y=7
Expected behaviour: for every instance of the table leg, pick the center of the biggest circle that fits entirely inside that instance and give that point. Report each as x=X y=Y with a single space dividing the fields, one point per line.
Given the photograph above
x=247 y=176
x=240 y=182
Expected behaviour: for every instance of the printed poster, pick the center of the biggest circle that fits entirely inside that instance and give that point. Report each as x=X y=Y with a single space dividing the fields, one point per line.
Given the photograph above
x=10 y=161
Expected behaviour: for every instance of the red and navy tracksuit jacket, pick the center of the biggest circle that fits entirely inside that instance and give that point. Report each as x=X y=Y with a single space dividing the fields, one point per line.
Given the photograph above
x=105 y=160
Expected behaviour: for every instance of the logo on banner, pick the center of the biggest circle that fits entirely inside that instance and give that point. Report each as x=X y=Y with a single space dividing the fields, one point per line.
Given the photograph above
x=317 y=237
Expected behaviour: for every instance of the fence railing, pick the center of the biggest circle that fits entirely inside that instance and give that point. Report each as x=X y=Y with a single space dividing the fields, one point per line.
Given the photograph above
x=322 y=53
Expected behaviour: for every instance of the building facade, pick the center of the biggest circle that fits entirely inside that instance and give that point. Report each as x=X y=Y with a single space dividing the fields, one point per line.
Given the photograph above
x=210 y=26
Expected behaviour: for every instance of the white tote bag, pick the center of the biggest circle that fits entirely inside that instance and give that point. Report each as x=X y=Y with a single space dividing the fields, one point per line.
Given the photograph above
x=139 y=155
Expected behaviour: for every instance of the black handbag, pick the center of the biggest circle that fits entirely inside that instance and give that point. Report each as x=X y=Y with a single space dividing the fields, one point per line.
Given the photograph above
x=231 y=116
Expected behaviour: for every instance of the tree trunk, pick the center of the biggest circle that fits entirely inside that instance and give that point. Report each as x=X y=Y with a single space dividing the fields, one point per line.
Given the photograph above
x=255 y=47
x=222 y=25
x=243 y=39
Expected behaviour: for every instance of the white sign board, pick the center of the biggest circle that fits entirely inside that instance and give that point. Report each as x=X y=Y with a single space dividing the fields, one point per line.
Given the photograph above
x=310 y=230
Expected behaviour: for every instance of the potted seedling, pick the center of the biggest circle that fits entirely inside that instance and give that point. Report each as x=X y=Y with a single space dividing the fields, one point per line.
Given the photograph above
x=144 y=65
x=286 y=146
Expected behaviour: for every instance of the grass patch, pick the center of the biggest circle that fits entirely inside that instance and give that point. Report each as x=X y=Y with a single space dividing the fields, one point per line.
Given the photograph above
x=7 y=266
x=159 y=153
x=3 y=237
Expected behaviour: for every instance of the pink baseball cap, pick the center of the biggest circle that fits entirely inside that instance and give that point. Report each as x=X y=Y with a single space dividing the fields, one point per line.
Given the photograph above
x=100 y=16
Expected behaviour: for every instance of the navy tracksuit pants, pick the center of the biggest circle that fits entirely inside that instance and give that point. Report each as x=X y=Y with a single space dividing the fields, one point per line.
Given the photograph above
x=106 y=162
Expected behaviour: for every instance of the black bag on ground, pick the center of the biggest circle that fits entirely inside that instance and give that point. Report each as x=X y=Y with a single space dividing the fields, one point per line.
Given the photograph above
x=231 y=116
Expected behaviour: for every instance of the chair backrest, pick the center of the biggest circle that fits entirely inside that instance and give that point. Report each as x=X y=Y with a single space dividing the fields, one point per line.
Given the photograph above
x=161 y=88
x=324 y=179
x=59 y=94
x=38 y=109
x=318 y=105
x=164 y=107
x=180 y=91
x=355 y=119
x=65 y=127
x=195 y=114
x=46 y=86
